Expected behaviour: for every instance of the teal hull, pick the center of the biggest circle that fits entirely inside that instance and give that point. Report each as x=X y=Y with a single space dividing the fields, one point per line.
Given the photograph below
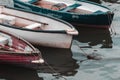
x=97 y=19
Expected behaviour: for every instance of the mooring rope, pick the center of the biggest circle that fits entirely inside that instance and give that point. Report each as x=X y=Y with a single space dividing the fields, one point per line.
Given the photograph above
x=58 y=75
x=89 y=56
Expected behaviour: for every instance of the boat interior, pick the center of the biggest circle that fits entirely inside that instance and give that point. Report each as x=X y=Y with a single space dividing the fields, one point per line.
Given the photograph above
x=22 y=19
x=11 y=43
x=8 y=19
x=73 y=8
x=20 y=22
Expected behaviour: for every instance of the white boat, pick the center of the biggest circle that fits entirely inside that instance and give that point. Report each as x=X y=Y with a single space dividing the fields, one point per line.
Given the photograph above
x=38 y=29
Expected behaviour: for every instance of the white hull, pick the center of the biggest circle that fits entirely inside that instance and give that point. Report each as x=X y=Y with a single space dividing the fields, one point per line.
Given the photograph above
x=57 y=40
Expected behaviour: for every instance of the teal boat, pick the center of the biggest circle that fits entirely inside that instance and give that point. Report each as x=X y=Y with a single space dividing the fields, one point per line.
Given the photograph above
x=77 y=12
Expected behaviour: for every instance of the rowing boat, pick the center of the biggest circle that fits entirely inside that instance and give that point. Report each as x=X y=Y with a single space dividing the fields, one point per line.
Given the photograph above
x=38 y=29
x=81 y=13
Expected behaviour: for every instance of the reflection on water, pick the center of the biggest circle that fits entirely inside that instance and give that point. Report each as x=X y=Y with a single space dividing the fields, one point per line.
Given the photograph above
x=60 y=60
x=10 y=72
x=95 y=36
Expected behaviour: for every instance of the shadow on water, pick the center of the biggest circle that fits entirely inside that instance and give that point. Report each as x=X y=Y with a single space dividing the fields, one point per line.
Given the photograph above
x=10 y=72
x=94 y=36
x=60 y=60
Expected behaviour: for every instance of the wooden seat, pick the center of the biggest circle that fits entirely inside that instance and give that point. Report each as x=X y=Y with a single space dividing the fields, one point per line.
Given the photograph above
x=33 y=26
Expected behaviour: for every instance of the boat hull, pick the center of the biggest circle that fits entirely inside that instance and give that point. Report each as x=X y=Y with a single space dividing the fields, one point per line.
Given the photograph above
x=97 y=20
x=58 y=40
x=21 y=60
x=17 y=58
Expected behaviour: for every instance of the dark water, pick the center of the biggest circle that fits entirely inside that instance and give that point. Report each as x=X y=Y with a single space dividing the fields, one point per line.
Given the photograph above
x=74 y=63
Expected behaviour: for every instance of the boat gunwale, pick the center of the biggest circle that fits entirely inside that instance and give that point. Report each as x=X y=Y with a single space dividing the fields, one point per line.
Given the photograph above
x=32 y=1
x=44 y=31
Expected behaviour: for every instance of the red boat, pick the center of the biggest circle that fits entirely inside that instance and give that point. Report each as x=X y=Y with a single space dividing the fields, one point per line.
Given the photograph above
x=15 y=50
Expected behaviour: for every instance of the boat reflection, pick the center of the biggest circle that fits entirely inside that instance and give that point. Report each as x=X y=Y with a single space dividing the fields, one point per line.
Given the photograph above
x=60 y=60
x=10 y=72
x=94 y=36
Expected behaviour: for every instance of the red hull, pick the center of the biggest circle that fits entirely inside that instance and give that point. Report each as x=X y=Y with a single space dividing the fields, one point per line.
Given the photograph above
x=20 y=60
